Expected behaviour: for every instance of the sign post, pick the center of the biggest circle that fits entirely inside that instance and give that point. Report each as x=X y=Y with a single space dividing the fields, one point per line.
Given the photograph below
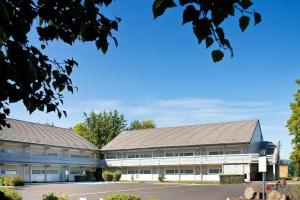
x=262 y=167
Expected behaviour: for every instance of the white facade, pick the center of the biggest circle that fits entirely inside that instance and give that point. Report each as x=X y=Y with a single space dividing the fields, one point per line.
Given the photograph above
x=39 y=163
x=196 y=163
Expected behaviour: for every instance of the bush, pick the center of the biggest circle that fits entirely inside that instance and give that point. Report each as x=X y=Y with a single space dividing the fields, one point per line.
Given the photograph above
x=53 y=196
x=122 y=196
x=17 y=181
x=13 y=181
x=161 y=178
x=90 y=176
x=1 y=180
x=117 y=175
x=11 y=194
x=231 y=178
x=107 y=176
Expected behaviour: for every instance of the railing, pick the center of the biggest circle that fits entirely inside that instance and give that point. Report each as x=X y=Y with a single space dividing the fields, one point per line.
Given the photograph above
x=182 y=160
x=28 y=158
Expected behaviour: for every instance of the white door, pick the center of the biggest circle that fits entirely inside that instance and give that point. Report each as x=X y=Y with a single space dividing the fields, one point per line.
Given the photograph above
x=52 y=175
x=38 y=175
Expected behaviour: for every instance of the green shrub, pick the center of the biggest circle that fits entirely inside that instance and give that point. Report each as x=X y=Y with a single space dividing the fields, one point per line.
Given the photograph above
x=231 y=178
x=17 y=181
x=1 y=180
x=10 y=194
x=161 y=178
x=91 y=176
x=13 y=181
x=107 y=176
x=7 y=181
x=117 y=175
x=53 y=196
x=122 y=196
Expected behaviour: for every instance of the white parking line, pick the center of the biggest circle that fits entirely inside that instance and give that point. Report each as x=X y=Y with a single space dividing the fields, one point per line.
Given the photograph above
x=128 y=190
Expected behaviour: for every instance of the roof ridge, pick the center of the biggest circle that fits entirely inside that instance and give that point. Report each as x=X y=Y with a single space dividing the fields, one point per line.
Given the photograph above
x=38 y=123
x=179 y=126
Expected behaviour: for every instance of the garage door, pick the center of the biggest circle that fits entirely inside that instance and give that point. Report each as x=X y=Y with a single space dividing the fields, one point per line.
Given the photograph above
x=38 y=175
x=52 y=175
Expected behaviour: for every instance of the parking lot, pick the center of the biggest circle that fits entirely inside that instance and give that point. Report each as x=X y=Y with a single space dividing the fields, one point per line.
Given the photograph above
x=94 y=191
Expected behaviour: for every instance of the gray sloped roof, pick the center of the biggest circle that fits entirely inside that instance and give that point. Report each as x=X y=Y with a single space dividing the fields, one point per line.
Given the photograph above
x=192 y=135
x=34 y=133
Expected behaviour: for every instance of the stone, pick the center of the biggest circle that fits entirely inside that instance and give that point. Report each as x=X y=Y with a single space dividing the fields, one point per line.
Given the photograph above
x=275 y=195
x=253 y=192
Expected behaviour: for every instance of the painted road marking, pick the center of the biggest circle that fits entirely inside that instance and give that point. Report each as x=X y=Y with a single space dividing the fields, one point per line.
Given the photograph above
x=128 y=190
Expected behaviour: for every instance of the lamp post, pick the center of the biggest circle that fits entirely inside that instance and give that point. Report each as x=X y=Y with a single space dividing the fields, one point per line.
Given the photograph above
x=262 y=167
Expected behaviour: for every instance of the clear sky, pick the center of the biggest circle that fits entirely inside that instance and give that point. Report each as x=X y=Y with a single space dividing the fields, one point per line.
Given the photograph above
x=159 y=72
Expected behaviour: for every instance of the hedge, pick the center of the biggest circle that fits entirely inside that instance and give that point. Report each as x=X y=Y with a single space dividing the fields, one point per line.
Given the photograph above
x=231 y=178
x=53 y=196
x=10 y=194
x=122 y=196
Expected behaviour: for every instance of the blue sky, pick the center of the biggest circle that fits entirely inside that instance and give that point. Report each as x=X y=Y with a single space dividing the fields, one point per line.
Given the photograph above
x=159 y=72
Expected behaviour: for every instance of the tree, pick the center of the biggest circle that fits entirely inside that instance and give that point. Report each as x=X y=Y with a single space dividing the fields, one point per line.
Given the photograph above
x=30 y=76
x=293 y=125
x=100 y=128
x=137 y=125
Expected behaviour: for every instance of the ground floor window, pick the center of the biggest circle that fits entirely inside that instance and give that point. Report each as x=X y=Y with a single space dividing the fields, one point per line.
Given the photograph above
x=38 y=171
x=10 y=172
x=52 y=171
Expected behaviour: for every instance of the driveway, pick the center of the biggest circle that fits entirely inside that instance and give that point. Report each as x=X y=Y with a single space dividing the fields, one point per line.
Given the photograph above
x=93 y=191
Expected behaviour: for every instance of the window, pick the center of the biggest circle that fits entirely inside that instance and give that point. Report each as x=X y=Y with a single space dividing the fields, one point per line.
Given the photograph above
x=111 y=156
x=38 y=171
x=171 y=154
x=75 y=172
x=52 y=171
x=233 y=152
x=52 y=154
x=215 y=171
x=171 y=171
x=145 y=171
x=215 y=153
x=186 y=171
x=2 y=171
x=132 y=171
x=75 y=156
x=187 y=154
x=11 y=172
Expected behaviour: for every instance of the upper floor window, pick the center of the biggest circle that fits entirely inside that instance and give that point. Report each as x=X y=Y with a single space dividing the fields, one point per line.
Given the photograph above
x=186 y=171
x=171 y=171
x=215 y=153
x=110 y=156
x=187 y=154
x=171 y=154
x=215 y=171
x=145 y=171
